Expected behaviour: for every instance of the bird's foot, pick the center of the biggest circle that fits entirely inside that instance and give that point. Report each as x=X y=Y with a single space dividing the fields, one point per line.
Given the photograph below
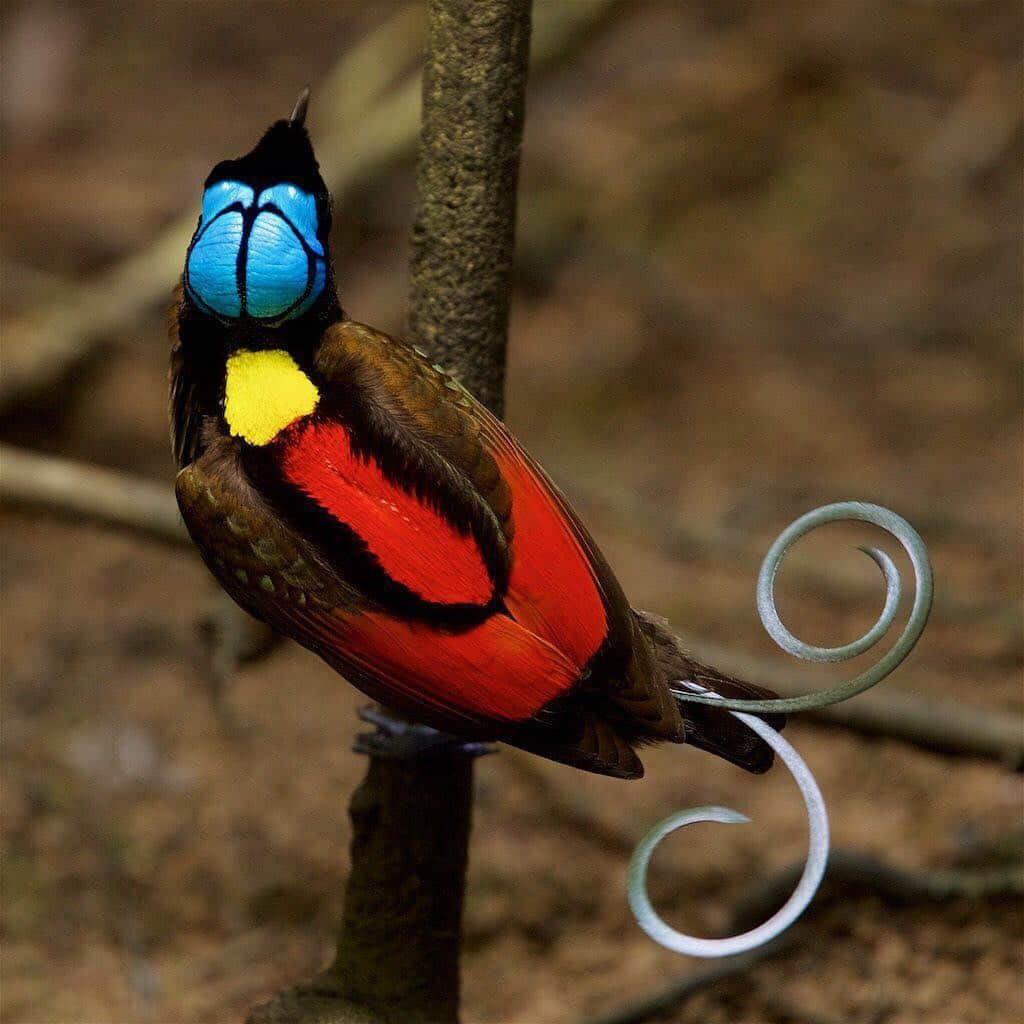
x=398 y=739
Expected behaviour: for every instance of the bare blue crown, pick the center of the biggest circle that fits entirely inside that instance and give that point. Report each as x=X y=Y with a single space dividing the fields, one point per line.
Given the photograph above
x=256 y=256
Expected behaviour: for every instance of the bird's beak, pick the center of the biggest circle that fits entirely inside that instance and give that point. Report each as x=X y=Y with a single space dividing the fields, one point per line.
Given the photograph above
x=298 y=117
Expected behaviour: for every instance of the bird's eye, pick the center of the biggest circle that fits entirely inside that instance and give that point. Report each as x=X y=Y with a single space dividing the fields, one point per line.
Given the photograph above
x=257 y=257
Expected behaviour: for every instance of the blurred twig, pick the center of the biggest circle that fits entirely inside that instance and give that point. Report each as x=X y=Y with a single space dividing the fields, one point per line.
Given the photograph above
x=691 y=542
x=565 y=805
x=43 y=347
x=949 y=727
x=670 y=997
x=367 y=126
x=856 y=870
x=894 y=884
x=76 y=490
x=81 y=491
x=228 y=636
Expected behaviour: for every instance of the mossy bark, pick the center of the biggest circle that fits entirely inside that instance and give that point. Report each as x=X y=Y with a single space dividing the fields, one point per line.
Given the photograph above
x=398 y=947
x=463 y=238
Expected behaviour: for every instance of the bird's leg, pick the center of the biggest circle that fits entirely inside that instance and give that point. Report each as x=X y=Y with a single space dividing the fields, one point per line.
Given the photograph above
x=402 y=740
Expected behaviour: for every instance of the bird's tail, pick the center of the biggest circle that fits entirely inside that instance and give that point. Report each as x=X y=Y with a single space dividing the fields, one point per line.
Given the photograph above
x=712 y=729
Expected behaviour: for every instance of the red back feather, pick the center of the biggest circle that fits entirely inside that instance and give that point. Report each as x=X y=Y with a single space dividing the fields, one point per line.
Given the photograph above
x=414 y=543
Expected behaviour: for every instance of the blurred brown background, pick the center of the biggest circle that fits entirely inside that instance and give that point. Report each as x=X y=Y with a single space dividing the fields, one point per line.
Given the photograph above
x=770 y=257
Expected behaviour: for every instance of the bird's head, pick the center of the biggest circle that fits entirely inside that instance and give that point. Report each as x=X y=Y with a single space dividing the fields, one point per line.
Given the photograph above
x=259 y=253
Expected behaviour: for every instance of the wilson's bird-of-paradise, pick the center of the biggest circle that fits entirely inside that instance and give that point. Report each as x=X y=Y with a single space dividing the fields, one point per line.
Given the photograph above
x=357 y=498
x=360 y=501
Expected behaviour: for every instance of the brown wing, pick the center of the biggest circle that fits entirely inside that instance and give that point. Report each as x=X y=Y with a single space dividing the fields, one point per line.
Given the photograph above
x=481 y=680
x=560 y=585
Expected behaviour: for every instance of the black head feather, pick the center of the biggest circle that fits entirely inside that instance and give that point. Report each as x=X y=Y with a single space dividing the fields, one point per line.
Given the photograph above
x=284 y=154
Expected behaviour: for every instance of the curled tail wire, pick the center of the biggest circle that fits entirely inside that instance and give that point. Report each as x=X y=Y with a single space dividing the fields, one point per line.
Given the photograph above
x=817 y=816
x=814 y=869
x=841 y=511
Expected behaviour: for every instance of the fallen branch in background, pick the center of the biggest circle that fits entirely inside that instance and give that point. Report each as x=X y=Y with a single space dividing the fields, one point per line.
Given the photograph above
x=845 y=868
x=367 y=127
x=43 y=348
x=119 y=500
x=83 y=492
x=893 y=884
x=228 y=637
x=565 y=804
x=664 y=530
x=949 y=727
x=67 y=487
x=659 y=1002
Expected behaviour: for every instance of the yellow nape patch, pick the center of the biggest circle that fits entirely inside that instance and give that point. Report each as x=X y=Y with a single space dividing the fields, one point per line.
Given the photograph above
x=263 y=393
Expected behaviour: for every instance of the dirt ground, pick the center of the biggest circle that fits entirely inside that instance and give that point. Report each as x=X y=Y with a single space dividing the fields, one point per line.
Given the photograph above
x=770 y=258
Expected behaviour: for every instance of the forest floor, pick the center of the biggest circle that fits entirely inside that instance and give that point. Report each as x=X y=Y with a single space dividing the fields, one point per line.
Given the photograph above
x=773 y=264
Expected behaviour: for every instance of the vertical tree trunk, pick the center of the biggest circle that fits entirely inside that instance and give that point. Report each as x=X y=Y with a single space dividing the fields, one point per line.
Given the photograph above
x=473 y=87
x=398 y=948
